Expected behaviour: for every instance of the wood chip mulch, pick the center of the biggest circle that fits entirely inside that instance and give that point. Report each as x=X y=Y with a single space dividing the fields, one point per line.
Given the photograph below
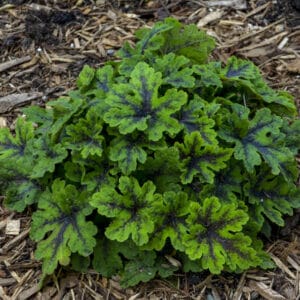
x=43 y=46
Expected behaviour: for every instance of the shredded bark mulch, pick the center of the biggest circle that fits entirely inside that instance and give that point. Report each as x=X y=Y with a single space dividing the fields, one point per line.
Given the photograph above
x=43 y=46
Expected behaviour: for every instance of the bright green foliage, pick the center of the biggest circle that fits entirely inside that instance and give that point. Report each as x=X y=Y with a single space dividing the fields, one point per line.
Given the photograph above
x=201 y=160
x=173 y=211
x=132 y=210
x=137 y=106
x=85 y=136
x=158 y=157
x=196 y=117
x=144 y=267
x=86 y=77
x=256 y=139
x=271 y=196
x=216 y=238
x=47 y=156
x=127 y=152
x=174 y=71
x=60 y=226
x=246 y=77
x=227 y=184
x=21 y=192
x=209 y=74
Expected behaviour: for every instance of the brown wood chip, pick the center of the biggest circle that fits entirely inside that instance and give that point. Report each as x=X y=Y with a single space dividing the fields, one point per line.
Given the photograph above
x=265 y=291
x=11 y=101
x=12 y=63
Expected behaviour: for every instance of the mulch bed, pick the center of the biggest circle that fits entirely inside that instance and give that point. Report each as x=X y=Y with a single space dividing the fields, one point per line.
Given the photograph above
x=43 y=46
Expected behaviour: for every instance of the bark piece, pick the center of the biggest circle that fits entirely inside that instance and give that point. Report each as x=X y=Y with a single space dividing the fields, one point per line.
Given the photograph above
x=9 y=102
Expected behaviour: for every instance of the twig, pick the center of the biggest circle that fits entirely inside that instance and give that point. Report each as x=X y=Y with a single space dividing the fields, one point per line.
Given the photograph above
x=11 y=63
x=10 y=101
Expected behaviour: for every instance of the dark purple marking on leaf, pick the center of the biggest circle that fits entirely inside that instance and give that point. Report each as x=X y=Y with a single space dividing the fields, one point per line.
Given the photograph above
x=260 y=126
x=18 y=149
x=236 y=72
x=176 y=49
x=104 y=85
x=176 y=81
x=146 y=94
x=152 y=33
x=211 y=233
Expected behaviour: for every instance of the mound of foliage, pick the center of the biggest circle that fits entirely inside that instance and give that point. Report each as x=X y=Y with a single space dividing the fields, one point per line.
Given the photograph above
x=160 y=157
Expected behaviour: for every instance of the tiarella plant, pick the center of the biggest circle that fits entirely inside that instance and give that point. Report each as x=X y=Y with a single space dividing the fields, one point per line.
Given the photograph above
x=158 y=157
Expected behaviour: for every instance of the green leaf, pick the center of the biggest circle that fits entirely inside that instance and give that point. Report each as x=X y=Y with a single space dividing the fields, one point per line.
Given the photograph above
x=85 y=77
x=145 y=267
x=132 y=210
x=189 y=265
x=256 y=139
x=64 y=109
x=187 y=40
x=247 y=78
x=107 y=260
x=43 y=117
x=209 y=74
x=98 y=178
x=171 y=213
x=227 y=185
x=74 y=171
x=80 y=263
x=271 y=196
x=21 y=192
x=163 y=169
x=94 y=172
x=12 y=147
x=60 y=227
x=281 y=102
x=194 y=117
x=137 y=105
x=105 y=78
x=175 y=71
x=240 y=68
x=216 y=238
x=151 y=39
x=85 y=136
x=291 y=130
x=127 y=151
x=199 y=159
x=140 y=269
x=46 y=156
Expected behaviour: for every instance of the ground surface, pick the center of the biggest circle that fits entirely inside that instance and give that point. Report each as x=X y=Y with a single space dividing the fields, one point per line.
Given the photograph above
x=43 y=46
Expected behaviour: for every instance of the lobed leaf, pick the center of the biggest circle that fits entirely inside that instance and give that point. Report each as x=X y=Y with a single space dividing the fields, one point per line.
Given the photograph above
x=187 y=40
x=172 y=213
x=107 y=260
x=85 y=136
x=163 y=169
x=199 y=159
x=175 y=71
x=227 y=185
x=132 y=210
x=127 y=152
x=12 y=148
x=216 y=238
x=256 y=139
x=60 y=227
x=195 y=117
x=209 y=74
x=137 y=105
x=21 y=192
x=271 y=197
